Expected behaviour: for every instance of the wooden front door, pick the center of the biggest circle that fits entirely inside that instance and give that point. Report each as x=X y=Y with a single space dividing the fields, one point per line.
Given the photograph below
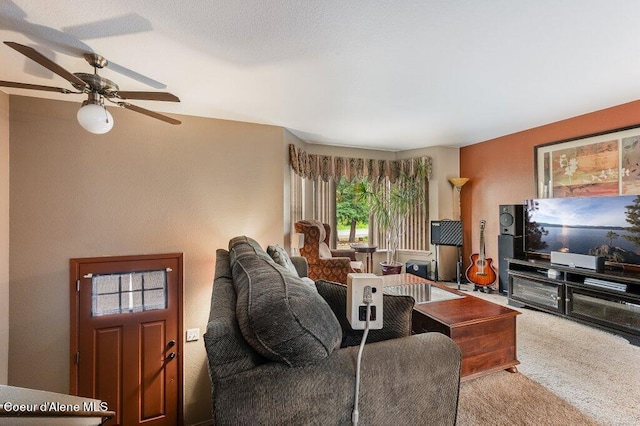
x=126 y=333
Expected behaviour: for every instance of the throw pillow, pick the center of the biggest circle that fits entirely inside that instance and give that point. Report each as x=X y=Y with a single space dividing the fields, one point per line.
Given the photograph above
x=280 y=256
x=245 y=246
x=323 y=251
x=308 y=281
x=397 y=314
x=280 y=317
x=356 y=266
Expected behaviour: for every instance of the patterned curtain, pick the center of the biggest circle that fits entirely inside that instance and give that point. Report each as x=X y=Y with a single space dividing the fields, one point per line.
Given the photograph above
x=324 y=206
x=297 y=197
x=328 y=167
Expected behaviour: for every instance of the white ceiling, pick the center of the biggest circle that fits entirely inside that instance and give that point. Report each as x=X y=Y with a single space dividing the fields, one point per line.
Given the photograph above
x=379 y=74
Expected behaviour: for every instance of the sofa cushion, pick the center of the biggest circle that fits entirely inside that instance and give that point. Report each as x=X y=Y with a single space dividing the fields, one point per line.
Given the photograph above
x=227 y=350
x=397 y=314
x=282 y=318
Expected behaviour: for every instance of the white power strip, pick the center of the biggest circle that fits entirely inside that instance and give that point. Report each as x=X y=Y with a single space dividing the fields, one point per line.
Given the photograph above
x=359 y=287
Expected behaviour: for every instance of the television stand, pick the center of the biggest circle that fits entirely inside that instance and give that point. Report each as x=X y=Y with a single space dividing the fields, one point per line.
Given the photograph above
x=609 y=299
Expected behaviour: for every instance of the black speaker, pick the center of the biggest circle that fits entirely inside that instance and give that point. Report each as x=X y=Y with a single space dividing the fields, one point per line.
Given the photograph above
x=509 y=246
x=446 y=232
x=512 y=219
x=417 y=267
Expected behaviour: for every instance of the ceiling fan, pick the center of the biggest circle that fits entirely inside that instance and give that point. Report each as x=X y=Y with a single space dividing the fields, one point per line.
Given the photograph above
x=92 y=116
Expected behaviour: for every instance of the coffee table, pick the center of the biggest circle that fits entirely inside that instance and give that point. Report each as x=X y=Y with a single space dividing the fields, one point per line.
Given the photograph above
x=484 y=331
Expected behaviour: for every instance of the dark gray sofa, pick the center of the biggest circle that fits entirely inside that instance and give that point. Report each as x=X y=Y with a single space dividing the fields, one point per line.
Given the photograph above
x=275 y=357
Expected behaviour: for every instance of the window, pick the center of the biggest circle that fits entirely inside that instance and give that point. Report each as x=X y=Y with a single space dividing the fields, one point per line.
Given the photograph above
x=352 y=214
x=415 y=226
x=332 y=179
x=128 y=292
x=335 y=204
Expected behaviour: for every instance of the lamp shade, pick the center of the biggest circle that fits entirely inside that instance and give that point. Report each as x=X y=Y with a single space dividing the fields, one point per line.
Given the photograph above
x=458 y=182
x=95 y=118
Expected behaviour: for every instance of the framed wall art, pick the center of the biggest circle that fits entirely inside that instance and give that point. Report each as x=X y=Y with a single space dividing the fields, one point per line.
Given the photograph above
x=588 y=166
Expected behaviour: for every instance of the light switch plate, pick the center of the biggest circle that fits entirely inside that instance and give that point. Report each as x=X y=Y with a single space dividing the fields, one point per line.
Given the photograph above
x=193 y=334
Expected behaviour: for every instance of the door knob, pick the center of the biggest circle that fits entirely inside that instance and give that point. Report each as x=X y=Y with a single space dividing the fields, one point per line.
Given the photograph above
x=172 y=343
x=171 y=356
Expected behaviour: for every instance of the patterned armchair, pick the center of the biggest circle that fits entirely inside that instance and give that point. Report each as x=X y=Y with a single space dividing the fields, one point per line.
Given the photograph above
x=326 y=264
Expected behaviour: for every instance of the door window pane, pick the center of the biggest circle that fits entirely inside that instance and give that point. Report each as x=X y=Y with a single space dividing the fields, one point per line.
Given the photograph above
x=128 y=292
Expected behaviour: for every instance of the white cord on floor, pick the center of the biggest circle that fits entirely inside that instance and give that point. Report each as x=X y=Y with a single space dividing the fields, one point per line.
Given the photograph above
x=367 y=300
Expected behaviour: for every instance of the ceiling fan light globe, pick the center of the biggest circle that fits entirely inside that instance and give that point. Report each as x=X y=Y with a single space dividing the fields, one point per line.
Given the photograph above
x=95 y=118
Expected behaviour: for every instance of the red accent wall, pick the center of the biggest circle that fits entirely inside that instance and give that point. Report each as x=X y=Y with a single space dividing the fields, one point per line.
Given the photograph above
x=501 y=170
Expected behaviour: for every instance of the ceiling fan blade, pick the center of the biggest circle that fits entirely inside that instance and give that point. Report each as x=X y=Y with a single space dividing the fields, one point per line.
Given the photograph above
x=149 y=113
x=113 y=66
x=36 y=56
x=34 y=87
x=149 y=96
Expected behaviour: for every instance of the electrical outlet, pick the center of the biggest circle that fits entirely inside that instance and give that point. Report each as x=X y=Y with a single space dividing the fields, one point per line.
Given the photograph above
x=357 y=308
x=193 y=334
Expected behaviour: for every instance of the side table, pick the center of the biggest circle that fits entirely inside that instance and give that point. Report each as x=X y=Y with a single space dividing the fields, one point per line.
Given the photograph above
x=484 y=331
x=368 y=250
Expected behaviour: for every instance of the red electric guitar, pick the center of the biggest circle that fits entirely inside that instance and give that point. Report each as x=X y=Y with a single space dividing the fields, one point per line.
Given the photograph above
x=481 y=272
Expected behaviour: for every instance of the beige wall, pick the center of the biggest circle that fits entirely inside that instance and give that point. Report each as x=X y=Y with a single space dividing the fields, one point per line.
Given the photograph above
x=145 y=187
x=4 y=238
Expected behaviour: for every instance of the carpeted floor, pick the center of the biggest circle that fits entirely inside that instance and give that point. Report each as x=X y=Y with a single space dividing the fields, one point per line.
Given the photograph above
x=593 y=370
x=506 y=399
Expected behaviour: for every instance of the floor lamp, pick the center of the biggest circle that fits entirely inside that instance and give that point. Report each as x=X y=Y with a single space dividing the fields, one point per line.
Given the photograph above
x=457 y=189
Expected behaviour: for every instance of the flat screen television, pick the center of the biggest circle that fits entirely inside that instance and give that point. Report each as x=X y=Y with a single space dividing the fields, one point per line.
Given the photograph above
x=597 y=226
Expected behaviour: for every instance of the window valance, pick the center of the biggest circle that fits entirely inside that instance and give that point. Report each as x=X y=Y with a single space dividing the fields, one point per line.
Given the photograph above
x=327 y=167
